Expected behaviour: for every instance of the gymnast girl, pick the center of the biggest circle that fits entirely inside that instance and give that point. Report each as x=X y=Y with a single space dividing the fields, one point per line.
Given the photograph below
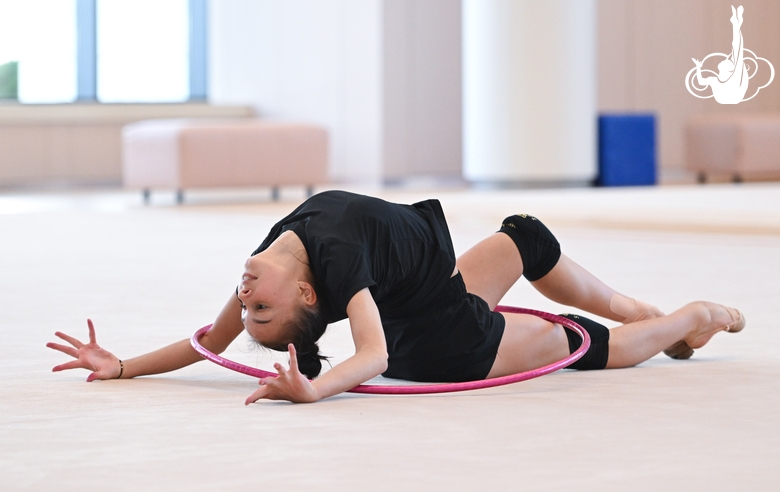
x=415 y=311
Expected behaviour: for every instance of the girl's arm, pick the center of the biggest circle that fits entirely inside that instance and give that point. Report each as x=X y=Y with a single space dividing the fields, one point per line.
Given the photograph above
x=370 y=360
x=225 y=329
x=105 y=365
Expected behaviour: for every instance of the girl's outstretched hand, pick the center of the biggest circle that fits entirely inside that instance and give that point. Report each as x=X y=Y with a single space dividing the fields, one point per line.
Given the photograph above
x=289 y=385
x=102 y=363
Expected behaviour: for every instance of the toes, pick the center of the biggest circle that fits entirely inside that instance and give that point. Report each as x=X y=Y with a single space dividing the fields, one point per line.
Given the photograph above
x=738 y=322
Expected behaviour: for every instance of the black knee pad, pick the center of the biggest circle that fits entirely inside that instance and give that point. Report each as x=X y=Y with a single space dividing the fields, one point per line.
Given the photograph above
x=597 y=355
x=538 y=247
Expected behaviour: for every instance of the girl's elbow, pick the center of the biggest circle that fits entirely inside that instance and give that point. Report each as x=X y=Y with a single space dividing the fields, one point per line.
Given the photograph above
x=381 y=362
x=212 y=345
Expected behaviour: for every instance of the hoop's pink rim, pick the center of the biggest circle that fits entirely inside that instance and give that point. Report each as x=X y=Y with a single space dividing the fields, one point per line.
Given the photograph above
x=428 y=388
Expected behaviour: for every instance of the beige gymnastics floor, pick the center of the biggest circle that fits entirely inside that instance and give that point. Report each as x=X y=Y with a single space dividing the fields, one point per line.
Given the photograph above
x=152 y=275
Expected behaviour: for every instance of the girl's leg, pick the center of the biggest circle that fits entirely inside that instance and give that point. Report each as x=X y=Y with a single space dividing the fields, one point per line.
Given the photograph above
x=530 y=342
x=571 y=285
x=694 y=323
x=493 y=266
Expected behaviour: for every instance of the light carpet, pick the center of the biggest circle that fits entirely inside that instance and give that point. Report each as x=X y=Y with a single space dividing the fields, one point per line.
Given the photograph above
x=149 y=276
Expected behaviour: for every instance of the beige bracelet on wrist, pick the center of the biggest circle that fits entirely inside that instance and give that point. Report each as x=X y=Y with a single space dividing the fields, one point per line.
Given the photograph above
x=121 y=369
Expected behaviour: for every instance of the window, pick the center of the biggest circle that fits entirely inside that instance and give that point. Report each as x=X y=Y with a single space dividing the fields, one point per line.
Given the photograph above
x=142 y=51
x=38 y=50
x=54 y=51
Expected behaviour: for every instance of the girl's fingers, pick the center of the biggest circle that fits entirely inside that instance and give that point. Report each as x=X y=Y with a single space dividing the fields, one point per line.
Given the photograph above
x=259 y=393
x=280 y=369
x=293 y=358
x=74 y=364
x=91 y=332
x=64 y=348
x=69 y=339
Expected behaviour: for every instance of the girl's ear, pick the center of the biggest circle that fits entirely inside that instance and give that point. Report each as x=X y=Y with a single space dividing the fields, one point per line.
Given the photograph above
x=307 y=293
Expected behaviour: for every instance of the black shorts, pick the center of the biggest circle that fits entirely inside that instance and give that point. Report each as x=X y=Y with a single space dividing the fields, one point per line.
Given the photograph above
x=453 y=338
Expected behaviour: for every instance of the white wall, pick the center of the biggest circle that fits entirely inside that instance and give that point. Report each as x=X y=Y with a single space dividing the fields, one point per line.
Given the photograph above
x=383 y=76
x=315 y=61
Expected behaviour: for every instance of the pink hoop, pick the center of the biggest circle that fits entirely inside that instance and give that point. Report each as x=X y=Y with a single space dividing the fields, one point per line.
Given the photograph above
x=428 y=388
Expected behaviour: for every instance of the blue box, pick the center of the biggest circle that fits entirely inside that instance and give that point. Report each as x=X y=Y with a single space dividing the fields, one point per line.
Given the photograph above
x=626 y=150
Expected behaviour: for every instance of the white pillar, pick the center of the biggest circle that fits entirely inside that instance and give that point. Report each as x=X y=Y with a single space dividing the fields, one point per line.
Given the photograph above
x=529 y=90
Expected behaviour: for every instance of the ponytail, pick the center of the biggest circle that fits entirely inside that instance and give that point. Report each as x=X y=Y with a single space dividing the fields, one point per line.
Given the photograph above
x=310 y=360
x=306 y=329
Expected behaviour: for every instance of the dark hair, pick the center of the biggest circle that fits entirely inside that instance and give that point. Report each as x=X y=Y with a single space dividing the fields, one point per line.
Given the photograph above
x=306 y=328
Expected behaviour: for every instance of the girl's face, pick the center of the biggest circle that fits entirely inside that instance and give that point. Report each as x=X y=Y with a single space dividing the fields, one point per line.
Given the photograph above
x=270 y=296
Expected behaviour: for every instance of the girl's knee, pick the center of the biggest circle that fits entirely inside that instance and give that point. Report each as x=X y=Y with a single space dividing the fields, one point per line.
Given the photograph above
x=539 y=249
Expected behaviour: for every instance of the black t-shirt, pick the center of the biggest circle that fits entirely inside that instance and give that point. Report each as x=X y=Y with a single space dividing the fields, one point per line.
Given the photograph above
x=402 y=253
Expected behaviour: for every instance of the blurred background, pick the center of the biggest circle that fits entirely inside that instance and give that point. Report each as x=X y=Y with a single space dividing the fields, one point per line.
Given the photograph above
x=451 y=91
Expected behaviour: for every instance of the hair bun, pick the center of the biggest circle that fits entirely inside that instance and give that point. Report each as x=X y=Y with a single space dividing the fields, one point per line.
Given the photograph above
x=309 y=360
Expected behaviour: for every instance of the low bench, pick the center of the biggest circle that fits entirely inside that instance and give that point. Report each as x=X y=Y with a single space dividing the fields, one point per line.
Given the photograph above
x=197 y=153
x=741 y=147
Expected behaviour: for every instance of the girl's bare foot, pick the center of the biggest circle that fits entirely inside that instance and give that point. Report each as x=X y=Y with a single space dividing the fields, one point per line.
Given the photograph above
x=713 y=318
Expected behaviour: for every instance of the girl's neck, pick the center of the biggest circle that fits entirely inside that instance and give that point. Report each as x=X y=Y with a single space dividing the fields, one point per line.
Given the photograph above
x=288 y=250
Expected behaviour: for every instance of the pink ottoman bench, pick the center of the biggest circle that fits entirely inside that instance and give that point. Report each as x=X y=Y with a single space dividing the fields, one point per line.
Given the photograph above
x=742 y=147
x=192 y=153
